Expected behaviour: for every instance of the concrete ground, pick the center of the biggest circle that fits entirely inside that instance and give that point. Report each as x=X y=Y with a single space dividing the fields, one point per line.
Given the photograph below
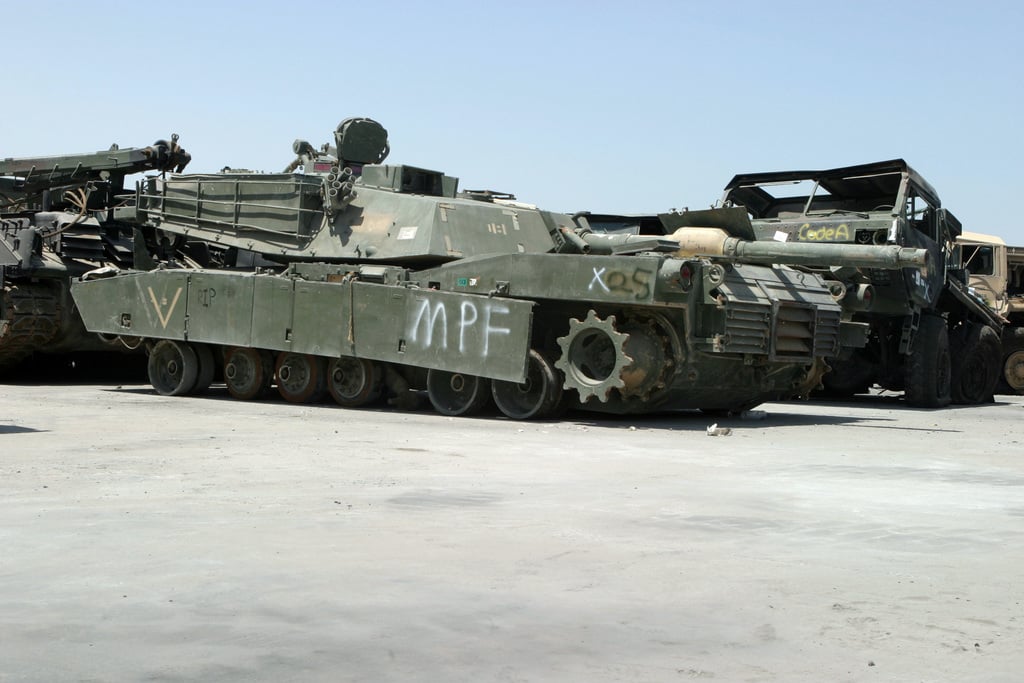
x=145 y=538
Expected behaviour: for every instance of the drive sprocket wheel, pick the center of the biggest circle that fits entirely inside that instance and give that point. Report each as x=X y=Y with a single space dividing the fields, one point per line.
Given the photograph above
x=593 y=357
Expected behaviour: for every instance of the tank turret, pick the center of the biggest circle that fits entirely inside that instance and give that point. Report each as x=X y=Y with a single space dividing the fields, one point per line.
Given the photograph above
x=343 y=206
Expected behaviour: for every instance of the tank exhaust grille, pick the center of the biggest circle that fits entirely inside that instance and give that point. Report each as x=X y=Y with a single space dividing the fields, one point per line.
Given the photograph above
x=785 y=319
x=800 y=332
x=794 y=332
x=747 y=329
x=826 y=333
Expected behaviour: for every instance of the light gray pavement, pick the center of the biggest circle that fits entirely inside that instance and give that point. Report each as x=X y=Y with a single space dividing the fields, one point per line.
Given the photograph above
x=145 y=538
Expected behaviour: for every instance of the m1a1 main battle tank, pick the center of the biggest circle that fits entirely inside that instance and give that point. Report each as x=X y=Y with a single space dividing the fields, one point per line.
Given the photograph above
x=55 y=224
x=388 y=280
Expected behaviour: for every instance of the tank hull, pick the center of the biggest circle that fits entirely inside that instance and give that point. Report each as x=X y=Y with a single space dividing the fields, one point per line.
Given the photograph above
x=624 y=335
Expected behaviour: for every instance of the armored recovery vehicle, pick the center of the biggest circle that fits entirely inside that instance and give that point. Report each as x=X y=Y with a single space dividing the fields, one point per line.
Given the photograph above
x=997 y=276
x=390 y=280
x=56 y=223
x=925 y=333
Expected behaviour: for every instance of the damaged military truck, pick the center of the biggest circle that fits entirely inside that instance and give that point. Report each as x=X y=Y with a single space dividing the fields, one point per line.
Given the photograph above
x=922 y=332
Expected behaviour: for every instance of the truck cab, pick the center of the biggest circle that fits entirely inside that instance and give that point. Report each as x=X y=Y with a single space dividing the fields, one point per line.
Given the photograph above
x=983 y=257
x=996 y=275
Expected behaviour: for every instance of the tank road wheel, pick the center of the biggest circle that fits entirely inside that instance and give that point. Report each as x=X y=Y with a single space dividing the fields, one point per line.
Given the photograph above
x=456 y=394
x=301 y=378
x=975 y=366
x=1012 y=379
x=928 y=367
x=173 y=367
x=248 y=372
x=207 y=368
x=354 y=382
x=537 y=397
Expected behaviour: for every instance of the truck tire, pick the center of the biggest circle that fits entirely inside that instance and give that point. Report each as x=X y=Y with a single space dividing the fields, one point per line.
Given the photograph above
x=976 y=362
x=848 y=377
x=1011 y=379
x=928 y=366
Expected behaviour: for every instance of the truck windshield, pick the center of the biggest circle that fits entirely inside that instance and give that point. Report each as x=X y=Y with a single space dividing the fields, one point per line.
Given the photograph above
x=811 y=194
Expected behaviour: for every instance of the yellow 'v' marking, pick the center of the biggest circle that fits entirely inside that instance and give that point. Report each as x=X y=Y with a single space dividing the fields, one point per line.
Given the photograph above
x=164 y=319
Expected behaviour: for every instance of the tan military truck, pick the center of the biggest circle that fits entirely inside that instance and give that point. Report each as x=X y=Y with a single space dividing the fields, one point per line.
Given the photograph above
x=997 y=276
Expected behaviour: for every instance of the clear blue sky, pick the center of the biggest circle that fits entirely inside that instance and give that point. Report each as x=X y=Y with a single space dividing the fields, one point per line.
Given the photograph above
x=608 y=106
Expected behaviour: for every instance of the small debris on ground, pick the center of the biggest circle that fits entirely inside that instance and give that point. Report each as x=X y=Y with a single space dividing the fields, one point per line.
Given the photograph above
x=715 y=430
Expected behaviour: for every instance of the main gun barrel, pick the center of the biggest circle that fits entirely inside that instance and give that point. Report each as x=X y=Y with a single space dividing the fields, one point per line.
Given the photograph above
x=716 y=242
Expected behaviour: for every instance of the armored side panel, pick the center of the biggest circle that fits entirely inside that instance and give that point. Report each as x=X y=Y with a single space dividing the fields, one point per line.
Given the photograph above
x=624 y=333
x=268 y=205
x=449 y=331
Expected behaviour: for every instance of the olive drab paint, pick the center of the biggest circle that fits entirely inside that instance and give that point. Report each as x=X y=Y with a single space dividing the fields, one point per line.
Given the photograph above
x=370 y=281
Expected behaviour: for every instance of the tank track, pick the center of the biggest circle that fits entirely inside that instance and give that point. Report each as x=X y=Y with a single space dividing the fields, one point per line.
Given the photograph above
x=31 y=319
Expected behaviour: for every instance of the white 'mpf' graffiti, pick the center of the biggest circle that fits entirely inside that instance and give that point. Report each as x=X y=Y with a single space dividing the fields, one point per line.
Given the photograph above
x=429 y=325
